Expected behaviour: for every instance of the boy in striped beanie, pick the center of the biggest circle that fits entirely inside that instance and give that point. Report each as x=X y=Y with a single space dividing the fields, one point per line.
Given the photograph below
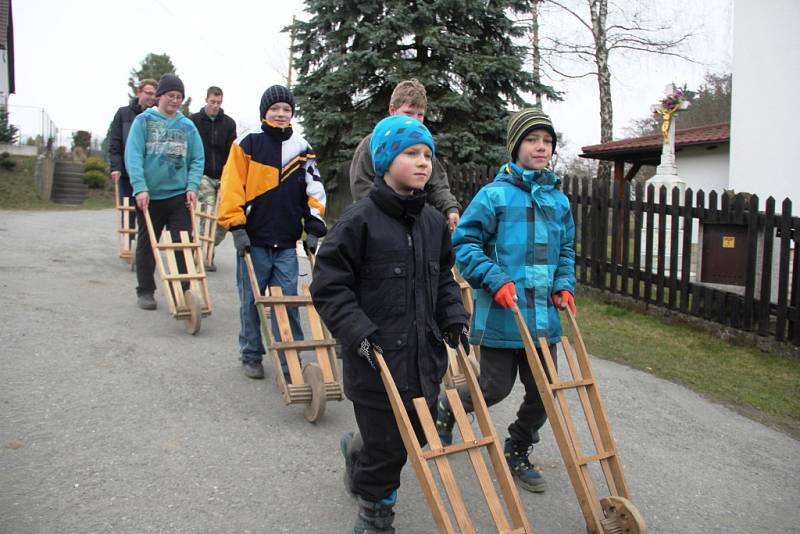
x=515 y=247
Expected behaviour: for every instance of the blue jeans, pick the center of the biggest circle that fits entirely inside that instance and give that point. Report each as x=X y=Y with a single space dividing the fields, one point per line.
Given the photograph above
x=273 y=267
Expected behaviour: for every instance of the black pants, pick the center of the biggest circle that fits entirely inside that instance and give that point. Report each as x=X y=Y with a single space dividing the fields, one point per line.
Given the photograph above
x=498 y=374
x=376 y=473
x=172 y=213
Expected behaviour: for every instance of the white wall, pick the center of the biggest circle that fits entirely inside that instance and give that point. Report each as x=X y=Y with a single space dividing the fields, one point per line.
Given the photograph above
x=703 y=168
x=4 y=81
x=765 y=134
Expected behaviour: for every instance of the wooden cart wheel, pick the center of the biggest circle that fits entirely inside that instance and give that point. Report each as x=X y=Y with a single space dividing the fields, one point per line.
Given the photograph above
x=312 y=375
x=622 y=517
x=194 y=304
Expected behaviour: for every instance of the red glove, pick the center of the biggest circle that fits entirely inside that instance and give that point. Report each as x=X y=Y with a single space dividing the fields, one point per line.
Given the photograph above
x=506 y=296
x=563 y=300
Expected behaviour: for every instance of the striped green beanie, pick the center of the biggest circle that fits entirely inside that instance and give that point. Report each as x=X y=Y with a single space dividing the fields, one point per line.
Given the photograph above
x=522 y=123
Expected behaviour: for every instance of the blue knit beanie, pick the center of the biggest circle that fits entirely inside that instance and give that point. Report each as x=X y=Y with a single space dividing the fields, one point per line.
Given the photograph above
x=394 y=134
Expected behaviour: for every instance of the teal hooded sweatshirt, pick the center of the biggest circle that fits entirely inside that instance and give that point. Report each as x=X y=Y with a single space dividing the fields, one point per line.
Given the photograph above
x=163 y=155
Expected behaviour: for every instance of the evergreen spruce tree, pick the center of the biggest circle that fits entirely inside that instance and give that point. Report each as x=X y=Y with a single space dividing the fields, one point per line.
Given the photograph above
x=154 y=66
x=352 y=53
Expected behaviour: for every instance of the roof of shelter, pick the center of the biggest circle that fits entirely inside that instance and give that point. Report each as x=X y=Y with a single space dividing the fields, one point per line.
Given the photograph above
x=648 y=146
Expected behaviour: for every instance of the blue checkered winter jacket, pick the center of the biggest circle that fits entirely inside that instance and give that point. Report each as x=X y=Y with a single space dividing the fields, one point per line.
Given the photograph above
x=520 y=228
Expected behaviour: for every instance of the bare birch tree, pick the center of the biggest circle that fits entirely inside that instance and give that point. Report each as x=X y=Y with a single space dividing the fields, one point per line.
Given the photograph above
x=624 y=28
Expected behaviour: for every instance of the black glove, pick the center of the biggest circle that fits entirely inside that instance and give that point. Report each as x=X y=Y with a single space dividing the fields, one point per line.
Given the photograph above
x=365 y=349
x=241 y=241
x=455 y=333
x=311 y=243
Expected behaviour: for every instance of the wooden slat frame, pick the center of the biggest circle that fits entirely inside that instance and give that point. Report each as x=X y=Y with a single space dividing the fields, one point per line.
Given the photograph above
x=471 y=445
x=552 y=391
x=322 y=342
x=167 y=267
x=124 y=229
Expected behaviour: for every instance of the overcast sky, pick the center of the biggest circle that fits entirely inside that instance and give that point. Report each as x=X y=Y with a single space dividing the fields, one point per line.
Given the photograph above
x=73 y=59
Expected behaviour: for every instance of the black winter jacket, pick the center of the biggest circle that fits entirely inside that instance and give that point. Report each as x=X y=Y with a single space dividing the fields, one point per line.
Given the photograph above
x=384 y=272
x=218 y=136
x=118 y=135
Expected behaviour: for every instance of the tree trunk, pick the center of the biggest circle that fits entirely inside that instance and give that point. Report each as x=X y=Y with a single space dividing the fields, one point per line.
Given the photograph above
x=599 y=12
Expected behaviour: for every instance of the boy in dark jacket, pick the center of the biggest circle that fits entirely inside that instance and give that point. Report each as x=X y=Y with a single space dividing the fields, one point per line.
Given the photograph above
x=515 y=246
x=383 y=279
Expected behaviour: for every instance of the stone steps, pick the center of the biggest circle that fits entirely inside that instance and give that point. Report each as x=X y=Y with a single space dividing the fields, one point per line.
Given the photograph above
x=68 y=186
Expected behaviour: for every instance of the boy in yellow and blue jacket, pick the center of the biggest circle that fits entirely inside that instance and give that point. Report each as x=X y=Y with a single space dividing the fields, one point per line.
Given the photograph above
x=270 y=192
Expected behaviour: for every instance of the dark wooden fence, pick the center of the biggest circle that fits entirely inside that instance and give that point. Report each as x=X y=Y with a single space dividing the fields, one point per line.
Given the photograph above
x=647 y=244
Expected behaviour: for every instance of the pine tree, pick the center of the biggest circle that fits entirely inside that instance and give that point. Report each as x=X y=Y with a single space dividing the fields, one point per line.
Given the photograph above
x=154 y=66
x=352 y=53
x=8 y=132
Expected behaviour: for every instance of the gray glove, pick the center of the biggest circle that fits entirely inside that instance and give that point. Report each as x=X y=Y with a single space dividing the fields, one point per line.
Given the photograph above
x=365 y=349
x=311 y=243
x=241 y=241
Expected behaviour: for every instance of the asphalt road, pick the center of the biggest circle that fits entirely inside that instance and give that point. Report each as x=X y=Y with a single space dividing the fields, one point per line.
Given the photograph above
x=113 y=419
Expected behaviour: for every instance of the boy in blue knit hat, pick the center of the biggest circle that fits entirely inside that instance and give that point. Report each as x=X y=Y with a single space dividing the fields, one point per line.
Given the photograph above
x=515 y=246
x=383 y=279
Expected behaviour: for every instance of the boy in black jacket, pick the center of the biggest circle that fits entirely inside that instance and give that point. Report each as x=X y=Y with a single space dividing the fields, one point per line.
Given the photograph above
x=383 y=279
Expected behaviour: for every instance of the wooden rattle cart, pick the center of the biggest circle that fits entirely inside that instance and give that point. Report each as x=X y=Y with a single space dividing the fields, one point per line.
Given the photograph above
x=206 y=215
x=472 y=445
x=316 y=383
x=126 y=212
x=614 y=514
x=194 y=303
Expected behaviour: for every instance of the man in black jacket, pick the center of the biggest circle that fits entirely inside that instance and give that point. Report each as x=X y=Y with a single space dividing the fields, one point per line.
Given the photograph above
x=118 y=136
x=218 y=132
x=383 y=279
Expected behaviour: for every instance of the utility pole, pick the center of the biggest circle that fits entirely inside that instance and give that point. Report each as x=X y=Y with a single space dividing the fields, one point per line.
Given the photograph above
x=291 y=55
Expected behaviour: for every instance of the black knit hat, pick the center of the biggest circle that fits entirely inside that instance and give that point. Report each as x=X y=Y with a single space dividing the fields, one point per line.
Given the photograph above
x=522 y=123
x=169 y=82
x=276 y=93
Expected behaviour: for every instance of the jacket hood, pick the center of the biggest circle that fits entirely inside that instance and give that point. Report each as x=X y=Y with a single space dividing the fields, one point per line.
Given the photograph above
x=395 y=205
x=527 y=179
x=271 y=129
x=153 y=112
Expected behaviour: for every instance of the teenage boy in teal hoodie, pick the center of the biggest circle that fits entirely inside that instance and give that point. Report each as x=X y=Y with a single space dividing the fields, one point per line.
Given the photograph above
x=515 y=247
x=164 y=158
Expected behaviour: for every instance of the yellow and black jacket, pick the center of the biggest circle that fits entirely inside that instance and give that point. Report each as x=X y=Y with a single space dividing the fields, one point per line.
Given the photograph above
x=270 y=186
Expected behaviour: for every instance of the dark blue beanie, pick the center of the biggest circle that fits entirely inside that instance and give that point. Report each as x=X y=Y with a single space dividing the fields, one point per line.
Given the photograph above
x=394 y=134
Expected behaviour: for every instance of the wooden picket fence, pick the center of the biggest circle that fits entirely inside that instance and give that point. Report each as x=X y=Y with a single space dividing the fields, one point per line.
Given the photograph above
x=646 y=244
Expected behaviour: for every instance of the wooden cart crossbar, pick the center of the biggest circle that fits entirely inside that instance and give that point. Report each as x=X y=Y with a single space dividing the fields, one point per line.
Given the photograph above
x=206 y=215
x=315 y=383
x=472 y=445
x=194 y=303
x=612 y=514
x=125 y=213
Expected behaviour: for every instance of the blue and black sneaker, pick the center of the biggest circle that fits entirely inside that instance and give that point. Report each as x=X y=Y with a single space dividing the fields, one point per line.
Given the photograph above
x=376 y=517
x=444 y=420
x=521 y=467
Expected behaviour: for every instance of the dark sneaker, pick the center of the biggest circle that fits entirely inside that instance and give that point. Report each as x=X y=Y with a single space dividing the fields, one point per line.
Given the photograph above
x=253 y=370
x=146 y=301
x=211 y=268
x=444 y=420
x=521 y=467
x=376 y=517
x=347 y=449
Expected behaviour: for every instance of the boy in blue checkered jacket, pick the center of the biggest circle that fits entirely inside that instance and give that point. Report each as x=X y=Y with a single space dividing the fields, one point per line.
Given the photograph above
x=515 y=247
